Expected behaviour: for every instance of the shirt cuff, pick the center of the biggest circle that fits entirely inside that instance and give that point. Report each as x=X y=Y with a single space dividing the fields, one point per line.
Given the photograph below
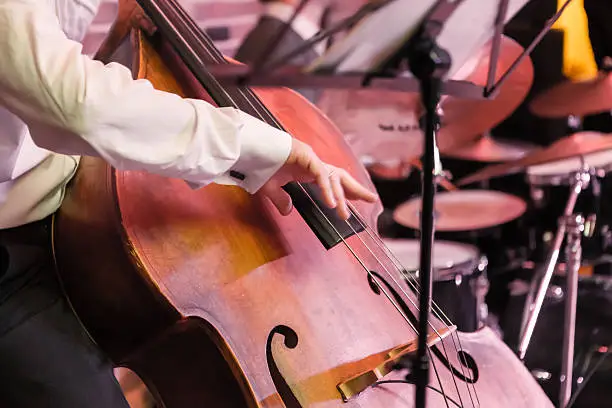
x=264 y=149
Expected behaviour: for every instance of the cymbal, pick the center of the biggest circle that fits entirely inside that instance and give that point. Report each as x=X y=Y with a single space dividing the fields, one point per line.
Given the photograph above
x=578 y=144
x=575 y=98
x=489 y=149
x=463 y=210
x=384 y=125
x=465 y=120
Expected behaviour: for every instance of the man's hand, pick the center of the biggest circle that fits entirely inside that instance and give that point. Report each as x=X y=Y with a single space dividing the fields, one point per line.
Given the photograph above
x=304 y=166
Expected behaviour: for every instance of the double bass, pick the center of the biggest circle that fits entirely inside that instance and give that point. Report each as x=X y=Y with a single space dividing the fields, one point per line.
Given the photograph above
x=215 y=299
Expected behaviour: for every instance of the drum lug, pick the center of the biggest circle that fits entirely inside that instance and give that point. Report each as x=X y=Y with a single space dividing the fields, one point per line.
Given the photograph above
x=480 y=288
x=555 y=293
x=606 y=237
x=537 y=196
x=589 y=226
x=483 y=314
x=541 y=375
x=483 y=263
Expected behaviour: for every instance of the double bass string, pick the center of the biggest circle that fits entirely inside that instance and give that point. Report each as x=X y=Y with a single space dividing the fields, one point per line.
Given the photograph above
x=415 y=286
x=206 y=46
x=263 y=112
x=437 y=310
x=249 y=97
x=265 y=115
x=411 y=280
x=435 y=307
x=369 y=272
x=272 y=119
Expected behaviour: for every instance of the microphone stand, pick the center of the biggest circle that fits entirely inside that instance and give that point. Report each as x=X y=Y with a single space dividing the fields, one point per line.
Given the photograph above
x=428 y=63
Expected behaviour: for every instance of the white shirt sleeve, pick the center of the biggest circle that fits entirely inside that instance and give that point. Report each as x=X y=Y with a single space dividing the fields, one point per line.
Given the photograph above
x=75 y=105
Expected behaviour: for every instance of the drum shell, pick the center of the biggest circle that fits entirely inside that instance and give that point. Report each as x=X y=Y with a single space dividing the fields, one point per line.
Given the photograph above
x=463 y=299
x=460 y=281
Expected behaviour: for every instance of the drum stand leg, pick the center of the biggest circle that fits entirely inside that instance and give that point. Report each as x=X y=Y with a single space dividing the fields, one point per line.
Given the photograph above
x=534 y=306
x=574 y=225
x=573 y=251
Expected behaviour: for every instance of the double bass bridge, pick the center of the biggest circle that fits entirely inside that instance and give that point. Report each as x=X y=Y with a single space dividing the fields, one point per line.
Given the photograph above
x=378 y=369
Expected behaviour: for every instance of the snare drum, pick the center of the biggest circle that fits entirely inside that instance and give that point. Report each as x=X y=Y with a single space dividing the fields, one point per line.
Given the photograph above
x=459 y=278
x=550 y=188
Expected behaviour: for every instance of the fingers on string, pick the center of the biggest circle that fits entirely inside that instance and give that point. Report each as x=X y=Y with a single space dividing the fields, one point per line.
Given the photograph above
x=338 y=190
x=354 y=190
x=321 y=172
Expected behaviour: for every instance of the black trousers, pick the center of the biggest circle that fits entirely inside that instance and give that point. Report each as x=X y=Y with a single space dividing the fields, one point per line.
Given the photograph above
x=46 y=358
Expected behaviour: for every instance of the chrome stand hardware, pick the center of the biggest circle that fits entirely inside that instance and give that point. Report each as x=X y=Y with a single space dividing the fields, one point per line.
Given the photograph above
x=573 y=252
x=533 y=307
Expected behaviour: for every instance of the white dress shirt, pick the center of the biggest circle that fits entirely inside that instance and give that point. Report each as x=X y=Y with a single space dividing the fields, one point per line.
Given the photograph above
x=60 y=104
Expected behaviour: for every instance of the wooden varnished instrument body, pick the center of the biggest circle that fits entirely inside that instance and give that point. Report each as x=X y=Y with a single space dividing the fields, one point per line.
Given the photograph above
x=216 y=300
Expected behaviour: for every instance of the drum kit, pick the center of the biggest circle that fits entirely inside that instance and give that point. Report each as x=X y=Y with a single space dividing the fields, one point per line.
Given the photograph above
x=486 y=235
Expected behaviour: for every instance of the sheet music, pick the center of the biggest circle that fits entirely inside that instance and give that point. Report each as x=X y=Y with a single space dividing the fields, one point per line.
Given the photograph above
x=380 y=35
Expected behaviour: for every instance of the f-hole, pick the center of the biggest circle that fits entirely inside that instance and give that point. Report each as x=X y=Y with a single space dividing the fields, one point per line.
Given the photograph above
x=290 y=340
x=465 y=359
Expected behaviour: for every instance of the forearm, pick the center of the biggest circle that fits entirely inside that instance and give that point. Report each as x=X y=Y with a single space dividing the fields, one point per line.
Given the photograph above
x=64 y=96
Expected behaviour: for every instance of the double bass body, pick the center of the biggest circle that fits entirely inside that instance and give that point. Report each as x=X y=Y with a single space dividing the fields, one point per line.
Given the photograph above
x=215 y=299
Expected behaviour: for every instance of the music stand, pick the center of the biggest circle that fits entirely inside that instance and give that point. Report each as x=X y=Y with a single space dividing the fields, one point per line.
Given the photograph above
x=425 y=34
